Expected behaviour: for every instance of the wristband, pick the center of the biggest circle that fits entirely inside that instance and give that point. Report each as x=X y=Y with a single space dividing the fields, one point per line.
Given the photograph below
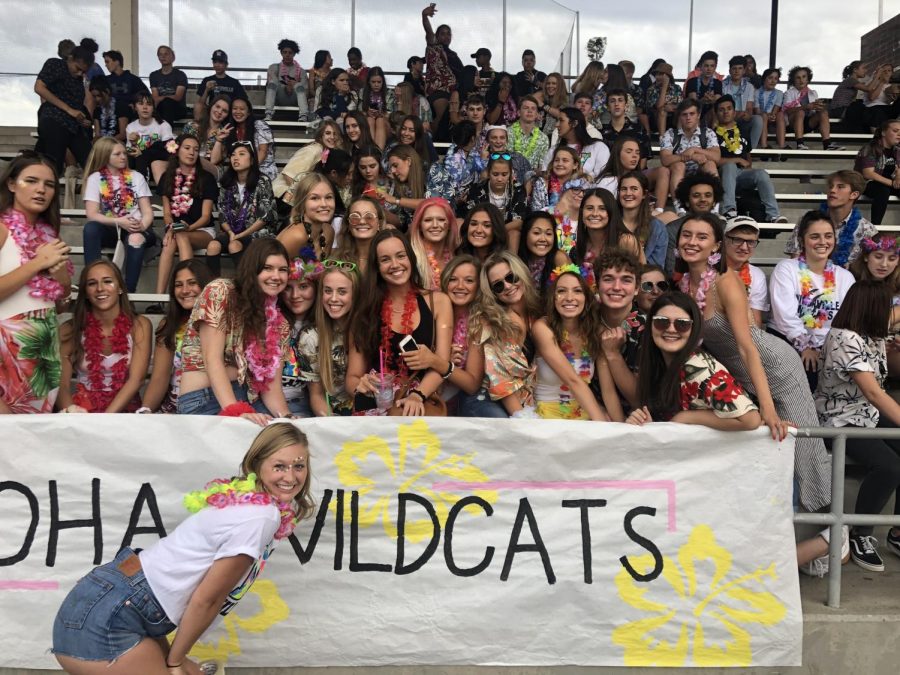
x=419 y=394
x=236 y=409
x=177 y=665
x=450 y=370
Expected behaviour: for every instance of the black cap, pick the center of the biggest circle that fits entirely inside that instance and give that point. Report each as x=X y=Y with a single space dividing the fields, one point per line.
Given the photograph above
x=219 y=56
x=482 y=50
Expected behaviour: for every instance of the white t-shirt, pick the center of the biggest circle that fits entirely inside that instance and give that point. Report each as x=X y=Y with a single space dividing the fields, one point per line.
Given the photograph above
x=784 y=287
x=176 y=564
x=148 y=133
x=138 y=184
x=594 y=158
x=759 y=292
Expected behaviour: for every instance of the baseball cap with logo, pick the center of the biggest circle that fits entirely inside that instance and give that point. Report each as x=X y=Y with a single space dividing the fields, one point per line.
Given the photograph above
x=219 y=56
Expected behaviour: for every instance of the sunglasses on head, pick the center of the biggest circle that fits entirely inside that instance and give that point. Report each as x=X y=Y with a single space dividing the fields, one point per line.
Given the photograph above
x=661 y=286
x=498 y=286
x=501 y=155
x=662 y=323
x=332 y=263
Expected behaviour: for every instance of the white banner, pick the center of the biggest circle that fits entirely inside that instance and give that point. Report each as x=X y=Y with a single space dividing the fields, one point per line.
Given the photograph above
x=436 y=541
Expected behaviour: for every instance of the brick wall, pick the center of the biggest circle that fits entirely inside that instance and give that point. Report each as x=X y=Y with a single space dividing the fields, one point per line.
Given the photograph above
x=882 y=45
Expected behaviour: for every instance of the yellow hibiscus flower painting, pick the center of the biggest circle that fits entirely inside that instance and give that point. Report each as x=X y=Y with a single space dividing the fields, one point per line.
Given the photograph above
x=264 y=607
x=695 y=614
x=380 y=470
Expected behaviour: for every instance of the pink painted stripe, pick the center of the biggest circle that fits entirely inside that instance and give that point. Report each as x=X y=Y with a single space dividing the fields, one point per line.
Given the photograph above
x=667 y=485
x=28 y=585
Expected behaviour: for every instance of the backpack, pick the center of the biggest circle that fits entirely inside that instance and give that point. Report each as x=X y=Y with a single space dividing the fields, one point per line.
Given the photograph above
x=704 y=141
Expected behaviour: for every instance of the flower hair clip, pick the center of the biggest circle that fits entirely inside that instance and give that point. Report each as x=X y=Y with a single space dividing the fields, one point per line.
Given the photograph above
x=172 y=147
x=883 y=244
x=567 y=268
x=306 y=266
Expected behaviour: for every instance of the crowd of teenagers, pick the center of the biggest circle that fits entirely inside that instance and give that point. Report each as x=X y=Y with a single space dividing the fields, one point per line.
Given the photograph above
x=535 y=270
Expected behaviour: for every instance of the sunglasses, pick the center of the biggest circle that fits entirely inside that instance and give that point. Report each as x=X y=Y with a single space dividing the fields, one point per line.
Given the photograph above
x=661 y=286
x=356 y=218
x=501 y=155
x=662 y=323
x=331 y=263
x=737 y=242
x=498 y=286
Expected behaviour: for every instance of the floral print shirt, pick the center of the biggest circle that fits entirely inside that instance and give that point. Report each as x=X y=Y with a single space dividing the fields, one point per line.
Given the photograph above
x=839 y=401
x=217 y=307
x=707 y=385
x=260 y=206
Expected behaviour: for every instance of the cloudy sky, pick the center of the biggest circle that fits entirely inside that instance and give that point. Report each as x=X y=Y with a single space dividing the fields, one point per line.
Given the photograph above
x=390 y=31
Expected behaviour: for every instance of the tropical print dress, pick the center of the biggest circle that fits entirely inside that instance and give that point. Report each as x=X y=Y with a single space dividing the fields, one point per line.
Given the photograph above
x=30 y=363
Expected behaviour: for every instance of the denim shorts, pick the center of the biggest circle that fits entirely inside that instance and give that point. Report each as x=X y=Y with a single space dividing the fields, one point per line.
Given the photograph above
x=204 y=401
x=109 y=612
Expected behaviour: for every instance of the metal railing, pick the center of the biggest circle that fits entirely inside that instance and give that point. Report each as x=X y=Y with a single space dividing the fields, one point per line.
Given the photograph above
x=836 y=518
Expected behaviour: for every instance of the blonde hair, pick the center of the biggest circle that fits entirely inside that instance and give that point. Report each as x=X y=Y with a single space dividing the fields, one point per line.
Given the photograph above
x=100 y=154
x=589 y=80
x=269 y=441
x=415 y=181
x=417 y=241
x=330 y=328
x=561 y=98
x=304 y=187
x=488 y=315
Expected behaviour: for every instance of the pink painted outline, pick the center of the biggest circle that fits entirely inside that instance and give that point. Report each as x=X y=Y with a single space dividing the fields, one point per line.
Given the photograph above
x=667 y=485
x=29 y=585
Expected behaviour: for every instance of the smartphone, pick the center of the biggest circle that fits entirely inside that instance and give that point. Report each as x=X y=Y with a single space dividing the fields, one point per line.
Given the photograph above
x=408 y=344
x=180 y=226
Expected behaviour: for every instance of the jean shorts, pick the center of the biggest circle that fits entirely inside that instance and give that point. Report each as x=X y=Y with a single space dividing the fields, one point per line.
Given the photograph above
x=204 y=401
x=109 y=612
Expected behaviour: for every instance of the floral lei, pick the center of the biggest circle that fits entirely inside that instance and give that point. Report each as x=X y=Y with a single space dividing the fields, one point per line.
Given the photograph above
x=264 y=360
x=117 y=198
x=536 y=267
x=744 y=274
x=181 y=197
x=810 y=318
x=841 y=255
x=581 y=365
x=461 y=335
x=92 y=339
x=406 y=328
x=706 y=280
x=436 y=265
x=29 y=239
x=565 y=233
x=731 y=141
x=221 y=493
x=237 y=216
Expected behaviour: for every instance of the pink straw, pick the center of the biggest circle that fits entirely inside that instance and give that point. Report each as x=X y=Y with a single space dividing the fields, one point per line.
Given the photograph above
x=381 y=358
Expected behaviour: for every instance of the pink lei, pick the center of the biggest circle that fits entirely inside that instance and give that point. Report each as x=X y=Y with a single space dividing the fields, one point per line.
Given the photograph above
x=29 y=239
x=221 y=493
x=264 y=361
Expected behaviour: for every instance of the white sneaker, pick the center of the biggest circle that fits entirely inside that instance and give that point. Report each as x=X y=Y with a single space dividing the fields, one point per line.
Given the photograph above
x=819 y=566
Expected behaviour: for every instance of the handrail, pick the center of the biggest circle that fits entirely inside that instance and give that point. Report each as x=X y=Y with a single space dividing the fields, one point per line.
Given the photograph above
x=238 y=69
x=836 y=518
